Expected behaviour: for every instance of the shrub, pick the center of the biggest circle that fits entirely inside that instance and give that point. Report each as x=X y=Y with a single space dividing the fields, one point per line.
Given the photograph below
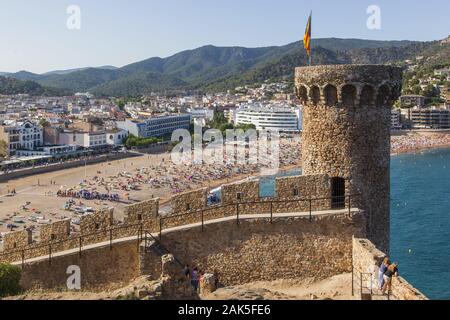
x=9 y=280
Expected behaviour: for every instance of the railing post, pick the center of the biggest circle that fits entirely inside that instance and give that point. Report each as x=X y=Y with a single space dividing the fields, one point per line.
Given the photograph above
x=310 y=210
x=160 y=229
x=271 y=212
x=203 y=221
x=349 y=205
x=110 y=239
x=353 y=280
x=23 y=259
x=81 y=240
x=361 y=284
x=50 y=254
x=237 y=213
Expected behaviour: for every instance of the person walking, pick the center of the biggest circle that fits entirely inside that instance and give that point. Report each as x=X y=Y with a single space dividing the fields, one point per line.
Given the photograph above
x=195 y=279
x=391 y=272
x=383 y=268
x=187 y=272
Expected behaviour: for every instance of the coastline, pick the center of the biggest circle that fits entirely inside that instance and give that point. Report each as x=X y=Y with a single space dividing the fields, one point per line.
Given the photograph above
x=419 y=150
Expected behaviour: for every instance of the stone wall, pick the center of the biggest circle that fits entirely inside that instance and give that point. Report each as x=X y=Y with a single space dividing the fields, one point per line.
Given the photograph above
x=94 y=222
x=17 y=240
x=346 y=132
x=56 y=231
x=246 y=191
x=142 y=211
x=303 y=187
x=189 y=201
x=100 y=268
x=255 y=250
x=365 y=255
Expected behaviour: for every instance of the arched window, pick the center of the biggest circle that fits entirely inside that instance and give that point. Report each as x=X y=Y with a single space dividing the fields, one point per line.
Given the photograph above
x=331 y=97
x=302 y=94
x=383 y=95
x=349 y=95
x=367 y=95
x=315 y=95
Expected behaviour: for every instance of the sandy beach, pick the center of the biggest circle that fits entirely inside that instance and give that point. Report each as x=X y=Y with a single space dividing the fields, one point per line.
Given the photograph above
x=49 y=197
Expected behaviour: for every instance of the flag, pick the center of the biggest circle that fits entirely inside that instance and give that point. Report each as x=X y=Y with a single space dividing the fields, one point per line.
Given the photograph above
x=307 y=38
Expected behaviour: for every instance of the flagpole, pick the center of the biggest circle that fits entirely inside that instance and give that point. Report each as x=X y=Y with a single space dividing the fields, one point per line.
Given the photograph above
x=310 y=54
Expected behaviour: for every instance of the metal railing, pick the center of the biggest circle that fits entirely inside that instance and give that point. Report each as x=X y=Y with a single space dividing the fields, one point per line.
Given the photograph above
x=139 y=230
x=270 y=202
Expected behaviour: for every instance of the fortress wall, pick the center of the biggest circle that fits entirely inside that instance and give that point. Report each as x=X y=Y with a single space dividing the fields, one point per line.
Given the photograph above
x=100 y=268
x=189 y=201
x=142 y=211
x=249 y=191
x=16 y=240
x=303 y=187
x=56 y=231
x=97 y=221
x=365 y=255
x=290 y=248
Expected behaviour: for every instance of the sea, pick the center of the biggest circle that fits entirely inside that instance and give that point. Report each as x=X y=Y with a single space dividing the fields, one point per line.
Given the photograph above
x=420 y=218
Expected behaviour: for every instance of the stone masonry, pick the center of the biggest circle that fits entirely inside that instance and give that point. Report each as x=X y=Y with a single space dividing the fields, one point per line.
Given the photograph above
x=303 y=187
x=346 y=132
x=97 y=221
x=189 y=201
x=240 y=192
x=56 y=231
x=17 y=240
x=142 y=211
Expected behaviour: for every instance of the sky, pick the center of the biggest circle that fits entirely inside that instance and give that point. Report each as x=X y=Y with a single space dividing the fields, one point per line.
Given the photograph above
x=35 y=37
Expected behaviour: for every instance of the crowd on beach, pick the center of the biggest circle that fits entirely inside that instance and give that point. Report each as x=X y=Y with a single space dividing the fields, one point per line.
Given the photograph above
x=416 y=142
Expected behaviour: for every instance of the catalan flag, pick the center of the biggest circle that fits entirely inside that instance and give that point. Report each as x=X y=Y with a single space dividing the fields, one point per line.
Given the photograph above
x=307 y=38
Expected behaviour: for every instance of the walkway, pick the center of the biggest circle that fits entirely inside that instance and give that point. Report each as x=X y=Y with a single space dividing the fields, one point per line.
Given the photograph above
x=105 y=244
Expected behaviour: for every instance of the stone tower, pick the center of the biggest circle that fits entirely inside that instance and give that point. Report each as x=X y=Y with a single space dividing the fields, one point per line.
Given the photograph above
x=346 y=134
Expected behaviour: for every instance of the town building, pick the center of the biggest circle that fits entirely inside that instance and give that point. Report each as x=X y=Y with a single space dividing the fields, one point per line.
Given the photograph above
x=412 y=101
x=270 y=117
x=155 y=126
x=396 y=123
x=88 y=140
x=426 y=118
x=21 y=135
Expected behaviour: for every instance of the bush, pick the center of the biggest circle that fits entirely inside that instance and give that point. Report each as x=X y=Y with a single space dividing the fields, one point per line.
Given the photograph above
x=9 y=280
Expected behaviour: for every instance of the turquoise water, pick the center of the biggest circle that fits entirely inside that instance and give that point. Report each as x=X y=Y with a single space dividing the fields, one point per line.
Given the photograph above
x=420 y=218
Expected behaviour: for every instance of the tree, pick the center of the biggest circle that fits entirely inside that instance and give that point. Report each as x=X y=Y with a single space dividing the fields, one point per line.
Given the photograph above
x=9 y=280
x=44 y=123
x=3 y=149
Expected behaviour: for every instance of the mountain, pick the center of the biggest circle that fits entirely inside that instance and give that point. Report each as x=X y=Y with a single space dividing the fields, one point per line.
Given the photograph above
x=211 y=68
x=11 y=86
x=64 y=72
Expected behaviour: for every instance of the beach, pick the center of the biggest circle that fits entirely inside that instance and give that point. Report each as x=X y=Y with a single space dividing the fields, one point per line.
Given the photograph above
x=70 y=193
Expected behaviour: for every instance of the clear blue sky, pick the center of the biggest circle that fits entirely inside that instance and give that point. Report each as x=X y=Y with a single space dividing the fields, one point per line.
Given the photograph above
x=115 y=32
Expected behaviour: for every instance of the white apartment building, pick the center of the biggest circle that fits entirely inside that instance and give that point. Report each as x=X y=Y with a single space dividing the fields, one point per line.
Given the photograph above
x=396 y=123
x=426 y=118
x=21 y=135
x=116 y=137
x=270 y=117
x=89 y=140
